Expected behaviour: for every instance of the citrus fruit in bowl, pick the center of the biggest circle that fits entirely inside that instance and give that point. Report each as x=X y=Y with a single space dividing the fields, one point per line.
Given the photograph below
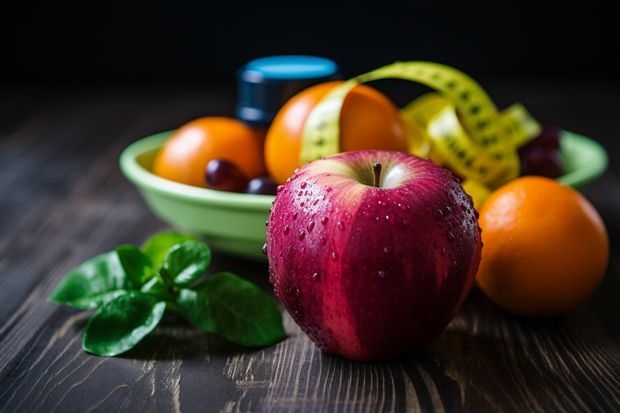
x=187 y=151
x=368 y=120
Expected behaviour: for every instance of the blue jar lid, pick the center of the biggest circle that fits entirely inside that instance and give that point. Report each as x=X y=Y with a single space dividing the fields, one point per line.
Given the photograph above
x=265 y=84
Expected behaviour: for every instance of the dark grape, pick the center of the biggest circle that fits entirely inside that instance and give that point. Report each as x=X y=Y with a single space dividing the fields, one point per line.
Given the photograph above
x=549 y=137
x=261 y=185
x=223 y=175
x=541 y=155
x=543 y=161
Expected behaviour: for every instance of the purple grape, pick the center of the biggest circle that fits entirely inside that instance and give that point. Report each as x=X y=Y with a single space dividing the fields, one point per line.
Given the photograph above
x=541 y=161
x=223 y=175
x=262 y=185
x=549 y=137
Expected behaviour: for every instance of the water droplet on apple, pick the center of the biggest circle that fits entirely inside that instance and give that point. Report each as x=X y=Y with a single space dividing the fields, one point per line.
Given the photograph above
x=390 y=219
x=322 y=240
x=286 y=230
x=451 y=236
x=387 y=249
x=316 y=201
x=279 y=189
x=315 y=276
x=302 y=203
x=329 y=188
x=264 y=248
x=448 y=209
x=300 y=193
x=324 y=220
x=301 y=235
x=310 y=226
x=438 y=214
x=406 y=222
x=340 y=225
x=294 y=216
x=334 y=255
x=404 y=207
x=381 y=274
x=303 y=184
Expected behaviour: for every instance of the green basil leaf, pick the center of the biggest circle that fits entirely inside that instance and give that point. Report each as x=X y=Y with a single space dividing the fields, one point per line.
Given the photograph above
x=154 y=286
x=186 y=262
x=121 y=323
x=137 y=265
x=156 y=247
x=234 y=308
x=195 y=304
x=93 y=283
x=93 y=301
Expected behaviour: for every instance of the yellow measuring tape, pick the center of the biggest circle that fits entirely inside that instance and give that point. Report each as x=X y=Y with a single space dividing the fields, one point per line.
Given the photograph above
x=457 y=126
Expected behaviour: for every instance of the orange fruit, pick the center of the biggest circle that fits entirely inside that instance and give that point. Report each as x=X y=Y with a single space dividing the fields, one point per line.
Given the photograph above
x=545 y=247
x=368 y=120
x=185 y=154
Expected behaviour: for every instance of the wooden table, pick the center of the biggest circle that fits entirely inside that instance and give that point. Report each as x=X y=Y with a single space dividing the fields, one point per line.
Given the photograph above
x=63 y=200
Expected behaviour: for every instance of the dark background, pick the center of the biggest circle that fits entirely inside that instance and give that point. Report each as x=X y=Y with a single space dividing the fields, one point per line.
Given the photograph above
x=202 y=43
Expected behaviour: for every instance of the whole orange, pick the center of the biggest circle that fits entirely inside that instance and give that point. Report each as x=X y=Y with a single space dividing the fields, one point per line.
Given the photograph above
x=545 y=247
x=185 y=154
x=368 y=120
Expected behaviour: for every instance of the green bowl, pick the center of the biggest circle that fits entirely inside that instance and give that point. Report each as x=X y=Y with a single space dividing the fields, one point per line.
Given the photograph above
x=584 y=159
x=229 y=222
x=234 y=223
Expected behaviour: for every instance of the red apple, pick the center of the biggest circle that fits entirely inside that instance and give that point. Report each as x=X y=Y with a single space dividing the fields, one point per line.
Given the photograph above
x=372 y=252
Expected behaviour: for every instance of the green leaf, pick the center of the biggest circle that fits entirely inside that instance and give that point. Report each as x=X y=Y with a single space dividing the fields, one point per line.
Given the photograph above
x=195 y=304
x=234 y=308
x=93 y=283
x=186 y=262
x=121 y=323
x=137 y=265
x=156 y=247
x=156 y=287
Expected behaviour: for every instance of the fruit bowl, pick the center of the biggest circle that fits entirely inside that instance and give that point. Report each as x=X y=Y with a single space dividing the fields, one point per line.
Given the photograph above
x=230 y=222
x=234 y=223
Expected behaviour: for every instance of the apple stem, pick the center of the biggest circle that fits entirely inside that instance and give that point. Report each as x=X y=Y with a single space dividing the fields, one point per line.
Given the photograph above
x=376 y=168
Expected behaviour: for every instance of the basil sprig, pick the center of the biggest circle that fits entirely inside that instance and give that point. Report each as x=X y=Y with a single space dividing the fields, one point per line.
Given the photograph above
x=131 y=288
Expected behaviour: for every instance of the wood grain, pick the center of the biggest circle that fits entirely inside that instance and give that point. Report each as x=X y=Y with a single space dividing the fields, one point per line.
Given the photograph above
x=64 y=200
